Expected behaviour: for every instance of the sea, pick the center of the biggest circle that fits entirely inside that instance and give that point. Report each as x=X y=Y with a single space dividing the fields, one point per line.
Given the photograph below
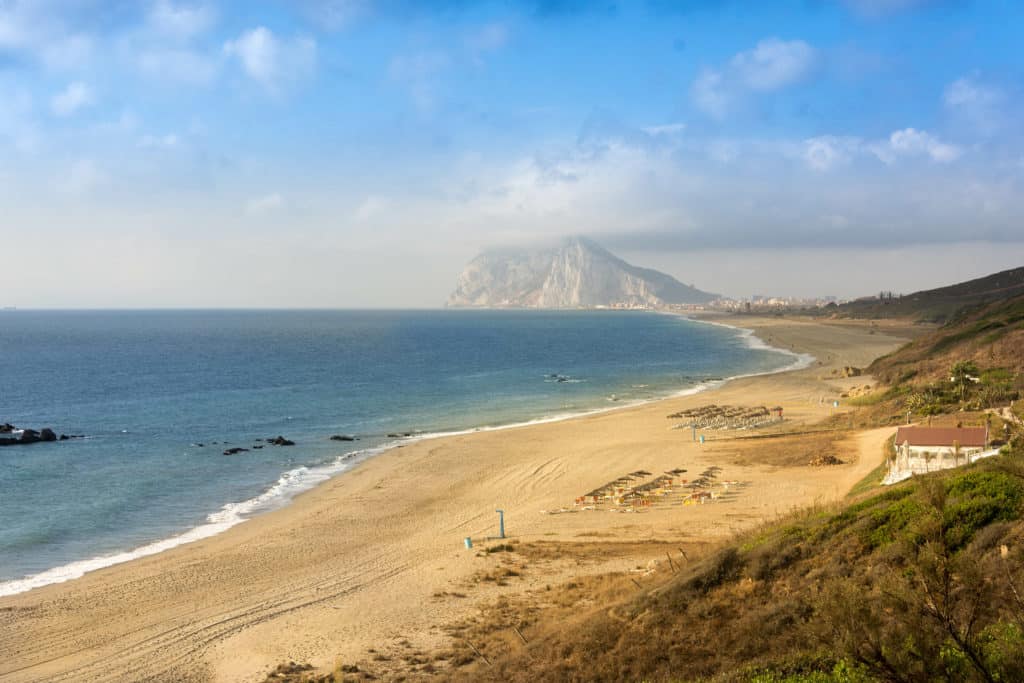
x=154 y=398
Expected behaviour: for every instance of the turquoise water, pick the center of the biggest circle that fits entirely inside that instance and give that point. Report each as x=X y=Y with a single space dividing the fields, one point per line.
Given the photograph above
x=146 y=388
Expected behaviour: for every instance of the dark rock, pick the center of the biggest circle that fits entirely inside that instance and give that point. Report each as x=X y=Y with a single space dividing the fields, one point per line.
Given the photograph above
x=258 y=447
x=64 y=437
x=394 y=436
x=235 y=451
x=47 y=434
x=7 y=441
x=342 y=437
x=7 y=428
x=281 y=441
x=29 y=436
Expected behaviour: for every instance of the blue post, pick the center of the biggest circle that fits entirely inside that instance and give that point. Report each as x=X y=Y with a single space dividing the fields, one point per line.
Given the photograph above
x=702 y=439
x=501 y=523
x=469 y=543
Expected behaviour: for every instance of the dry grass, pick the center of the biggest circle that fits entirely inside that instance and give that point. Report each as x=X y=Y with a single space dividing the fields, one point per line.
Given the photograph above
x=779 y=450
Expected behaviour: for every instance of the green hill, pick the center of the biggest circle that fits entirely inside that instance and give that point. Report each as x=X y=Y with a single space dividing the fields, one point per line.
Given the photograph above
x=938 y=305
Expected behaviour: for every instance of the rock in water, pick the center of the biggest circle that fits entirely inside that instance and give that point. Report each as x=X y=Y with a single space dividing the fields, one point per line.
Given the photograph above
x=342 y=437
x=281 y=441
x=47 y=434
x=236 y=451
x=577 y=273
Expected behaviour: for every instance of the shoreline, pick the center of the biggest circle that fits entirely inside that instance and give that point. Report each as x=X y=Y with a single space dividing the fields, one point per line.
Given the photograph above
x=232 y=514
x=375 y=558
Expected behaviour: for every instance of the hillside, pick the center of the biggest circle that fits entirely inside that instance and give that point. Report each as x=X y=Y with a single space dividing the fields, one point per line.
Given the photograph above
x=918 y=583
x=938 y=305
x=990 y=336
x=579 y=272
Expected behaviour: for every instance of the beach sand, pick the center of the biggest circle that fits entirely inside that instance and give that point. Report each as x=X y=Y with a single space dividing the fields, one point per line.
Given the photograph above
x=375 y=557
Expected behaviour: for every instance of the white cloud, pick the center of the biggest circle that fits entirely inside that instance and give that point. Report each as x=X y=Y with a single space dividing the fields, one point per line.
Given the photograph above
x=72 y=98
x=179 y=65
x=967 y=92
x=979 y=105
x=268 y=203
x=180 y=21
x=770 y=65
x=912 y=142
x=825 y=152
x=271 y=61
x=710 y=94
x=774 y=64
x=38 y=29
x=665 y=129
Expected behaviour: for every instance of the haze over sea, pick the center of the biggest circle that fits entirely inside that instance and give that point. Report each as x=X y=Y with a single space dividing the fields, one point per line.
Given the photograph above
x=146 y=388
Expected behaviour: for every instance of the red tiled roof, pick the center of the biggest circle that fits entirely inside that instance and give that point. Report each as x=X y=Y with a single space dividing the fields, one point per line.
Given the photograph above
x=942 y=436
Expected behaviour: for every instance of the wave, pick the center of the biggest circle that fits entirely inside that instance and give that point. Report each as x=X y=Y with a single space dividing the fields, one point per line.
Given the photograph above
x=288 y=485
x=299 y=479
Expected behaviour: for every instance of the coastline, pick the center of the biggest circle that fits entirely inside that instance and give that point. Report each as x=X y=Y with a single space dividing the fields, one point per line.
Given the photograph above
x=286 y=488
x=307 y=582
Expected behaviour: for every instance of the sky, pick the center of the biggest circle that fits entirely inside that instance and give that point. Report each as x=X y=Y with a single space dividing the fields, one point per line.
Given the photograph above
x=357 y=153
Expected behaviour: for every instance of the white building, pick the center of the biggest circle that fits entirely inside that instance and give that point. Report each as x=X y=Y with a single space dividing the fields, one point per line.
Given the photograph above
x=926 y=449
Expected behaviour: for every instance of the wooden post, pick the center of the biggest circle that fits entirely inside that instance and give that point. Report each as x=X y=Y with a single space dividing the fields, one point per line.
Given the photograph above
x=478 y=653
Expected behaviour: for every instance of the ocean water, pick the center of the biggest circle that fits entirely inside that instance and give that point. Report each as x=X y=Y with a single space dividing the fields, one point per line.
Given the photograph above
x=146 y=388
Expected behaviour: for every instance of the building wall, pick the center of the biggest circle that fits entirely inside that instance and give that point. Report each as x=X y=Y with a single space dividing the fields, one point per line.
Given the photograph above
x=923 y=459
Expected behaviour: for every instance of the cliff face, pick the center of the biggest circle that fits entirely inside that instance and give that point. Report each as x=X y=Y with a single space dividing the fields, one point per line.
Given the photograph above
x=577 y=273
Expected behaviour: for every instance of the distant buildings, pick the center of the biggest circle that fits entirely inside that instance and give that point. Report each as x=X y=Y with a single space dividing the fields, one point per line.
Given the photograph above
x=760 y=302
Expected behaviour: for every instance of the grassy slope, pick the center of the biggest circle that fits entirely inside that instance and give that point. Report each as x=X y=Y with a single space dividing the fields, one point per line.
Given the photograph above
x=992 y=335
x=939 y=305
x=826 y=595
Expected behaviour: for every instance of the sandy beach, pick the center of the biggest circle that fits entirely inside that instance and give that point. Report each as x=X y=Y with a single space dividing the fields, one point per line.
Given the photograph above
x=375 y=558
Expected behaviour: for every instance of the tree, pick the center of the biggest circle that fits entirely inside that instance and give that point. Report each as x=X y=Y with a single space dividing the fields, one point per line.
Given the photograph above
x=963 y=372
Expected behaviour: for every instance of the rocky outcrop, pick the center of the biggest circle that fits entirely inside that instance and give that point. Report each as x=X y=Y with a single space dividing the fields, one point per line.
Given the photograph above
x=23 y=437
x=280 y=441
x=577 y=273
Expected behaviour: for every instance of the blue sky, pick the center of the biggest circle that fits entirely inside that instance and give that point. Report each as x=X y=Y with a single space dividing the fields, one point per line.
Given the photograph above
x=358 y=152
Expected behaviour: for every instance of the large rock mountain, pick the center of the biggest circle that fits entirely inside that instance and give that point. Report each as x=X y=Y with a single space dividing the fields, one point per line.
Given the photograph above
x=579 y=272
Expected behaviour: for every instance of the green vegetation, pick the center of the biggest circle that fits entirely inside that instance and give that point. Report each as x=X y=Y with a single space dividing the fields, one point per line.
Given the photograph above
x=918 y=582
x=946 y=304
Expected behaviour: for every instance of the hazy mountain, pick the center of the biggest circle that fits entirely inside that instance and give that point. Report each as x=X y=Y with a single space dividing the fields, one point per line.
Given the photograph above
x=579 y=272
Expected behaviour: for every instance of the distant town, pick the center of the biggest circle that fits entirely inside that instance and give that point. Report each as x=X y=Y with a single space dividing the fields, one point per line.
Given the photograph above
x=755 y=303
